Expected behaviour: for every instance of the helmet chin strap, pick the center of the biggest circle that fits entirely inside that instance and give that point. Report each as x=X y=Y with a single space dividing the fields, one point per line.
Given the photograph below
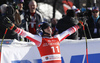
x=47 y=34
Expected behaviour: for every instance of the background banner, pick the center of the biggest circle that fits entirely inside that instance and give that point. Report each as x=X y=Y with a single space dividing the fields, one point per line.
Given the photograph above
x=72 y=51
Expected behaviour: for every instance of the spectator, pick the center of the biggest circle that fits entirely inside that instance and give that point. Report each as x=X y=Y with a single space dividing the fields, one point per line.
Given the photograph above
x=17 y=18
x=35 y=17
x=76 y=10
x=22 y=13
x=6 y=11
x=53 y=25
x=94 y=24
x=48 y=46
x=83 y=15
x=66 y=22
x=22 y=23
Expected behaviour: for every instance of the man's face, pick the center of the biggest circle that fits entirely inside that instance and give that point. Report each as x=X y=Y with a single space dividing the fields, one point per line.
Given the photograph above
x=32 y=6
x=48 y=30
x=95 y=14
x=20 y=5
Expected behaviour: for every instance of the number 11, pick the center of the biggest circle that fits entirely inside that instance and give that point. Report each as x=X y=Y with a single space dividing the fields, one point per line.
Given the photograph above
x=54 y=49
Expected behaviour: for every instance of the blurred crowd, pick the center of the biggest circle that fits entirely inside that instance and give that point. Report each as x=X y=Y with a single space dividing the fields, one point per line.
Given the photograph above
x=30 y=18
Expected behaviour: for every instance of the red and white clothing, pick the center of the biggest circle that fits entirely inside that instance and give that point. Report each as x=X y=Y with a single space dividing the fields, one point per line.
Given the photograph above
x=49 y=47
x=35 y=19
x=32 y=24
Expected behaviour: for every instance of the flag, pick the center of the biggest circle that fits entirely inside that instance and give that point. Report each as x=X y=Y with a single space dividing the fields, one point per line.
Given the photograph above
x=67 y=5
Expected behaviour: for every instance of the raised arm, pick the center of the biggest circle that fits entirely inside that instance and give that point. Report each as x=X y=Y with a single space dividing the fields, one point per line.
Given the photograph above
x=69 y=31
x=34 y=38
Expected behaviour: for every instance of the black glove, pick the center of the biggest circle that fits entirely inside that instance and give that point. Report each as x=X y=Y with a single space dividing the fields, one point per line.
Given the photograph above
x=8 y=23
x=80 y=24
x=82 y=21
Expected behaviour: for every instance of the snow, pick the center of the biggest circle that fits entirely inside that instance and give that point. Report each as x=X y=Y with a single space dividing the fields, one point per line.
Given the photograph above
x=47 y=11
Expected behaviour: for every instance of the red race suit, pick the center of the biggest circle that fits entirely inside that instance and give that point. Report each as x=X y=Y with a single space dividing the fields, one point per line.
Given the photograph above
x=49 y=47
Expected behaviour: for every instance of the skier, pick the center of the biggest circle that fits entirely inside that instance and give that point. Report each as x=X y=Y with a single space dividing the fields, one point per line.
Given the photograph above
x=48 y=45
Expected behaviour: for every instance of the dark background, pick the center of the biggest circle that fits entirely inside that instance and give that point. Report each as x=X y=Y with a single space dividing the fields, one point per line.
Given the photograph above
x=77 y=3
x=57 y=4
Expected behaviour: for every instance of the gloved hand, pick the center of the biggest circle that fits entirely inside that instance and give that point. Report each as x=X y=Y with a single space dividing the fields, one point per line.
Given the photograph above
x=8 y=23
x=82 y=21
x=81 y=24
